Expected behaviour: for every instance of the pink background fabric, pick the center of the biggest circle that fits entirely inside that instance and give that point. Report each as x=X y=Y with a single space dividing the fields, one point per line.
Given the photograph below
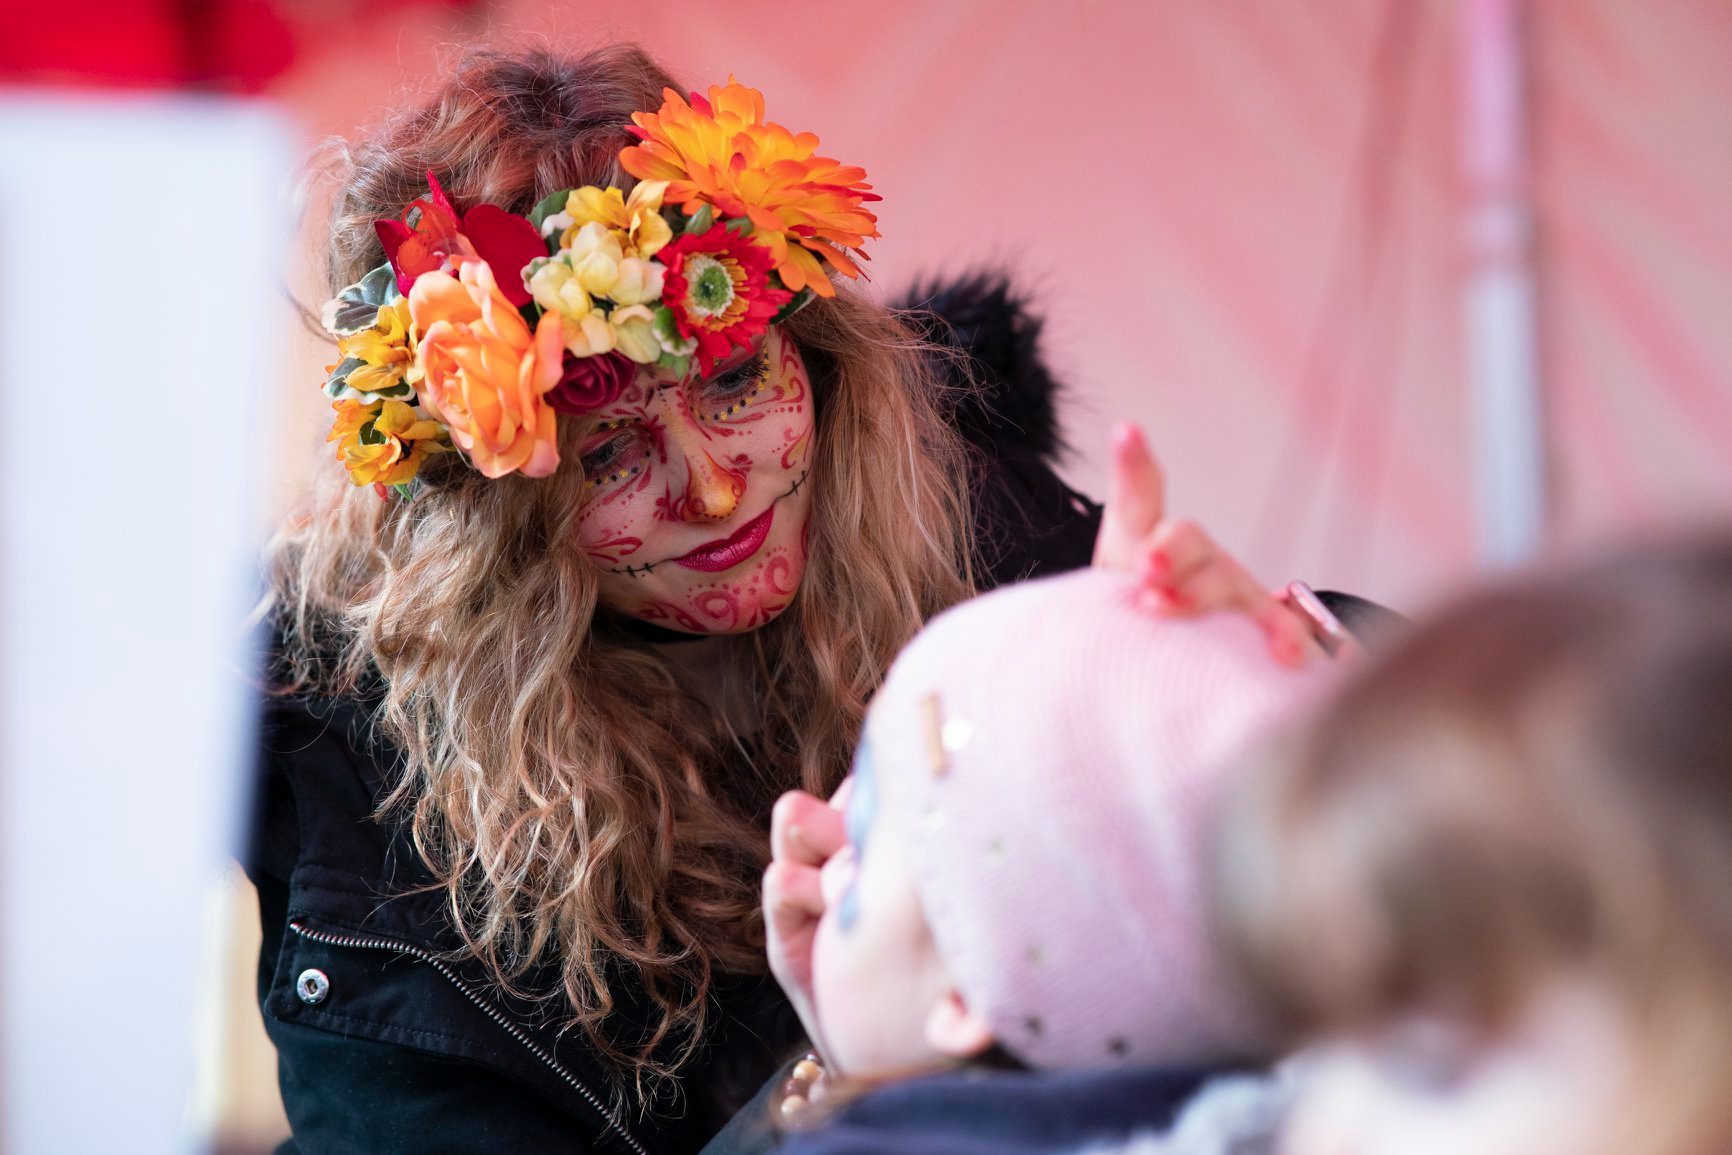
x=1243 y=222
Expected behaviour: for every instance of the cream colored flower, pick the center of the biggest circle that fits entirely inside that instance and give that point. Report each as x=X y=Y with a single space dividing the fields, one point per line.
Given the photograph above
x=595 y=254
x=635 y=335
x=588 y=335
x=554 y=286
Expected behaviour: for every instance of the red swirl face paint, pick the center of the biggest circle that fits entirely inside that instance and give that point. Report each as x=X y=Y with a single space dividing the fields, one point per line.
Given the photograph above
x=698 y=493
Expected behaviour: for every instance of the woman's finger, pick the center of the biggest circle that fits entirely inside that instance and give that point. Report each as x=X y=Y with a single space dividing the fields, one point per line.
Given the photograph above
x=1136 y=496
x=1212 y=588
x=1288 y=635
x=1176 y=550
x=1138 y=488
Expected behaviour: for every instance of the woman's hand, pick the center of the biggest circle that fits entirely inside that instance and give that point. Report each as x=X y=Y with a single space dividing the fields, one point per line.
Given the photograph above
x=804 y=832
x=1184 y=572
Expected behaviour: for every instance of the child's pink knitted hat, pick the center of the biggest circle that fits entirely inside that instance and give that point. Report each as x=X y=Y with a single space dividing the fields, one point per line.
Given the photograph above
x=1050 y=755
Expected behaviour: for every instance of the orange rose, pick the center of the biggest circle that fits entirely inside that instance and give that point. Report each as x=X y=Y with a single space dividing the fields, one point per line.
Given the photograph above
x=485 y=373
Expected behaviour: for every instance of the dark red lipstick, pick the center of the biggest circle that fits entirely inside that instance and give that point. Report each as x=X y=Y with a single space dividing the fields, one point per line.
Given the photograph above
x=720 y=555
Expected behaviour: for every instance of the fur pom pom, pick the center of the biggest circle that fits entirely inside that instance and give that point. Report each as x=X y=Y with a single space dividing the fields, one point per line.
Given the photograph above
x=1011 y=407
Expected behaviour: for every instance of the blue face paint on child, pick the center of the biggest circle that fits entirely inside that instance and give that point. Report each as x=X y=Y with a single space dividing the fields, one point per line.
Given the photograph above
x=857 y=819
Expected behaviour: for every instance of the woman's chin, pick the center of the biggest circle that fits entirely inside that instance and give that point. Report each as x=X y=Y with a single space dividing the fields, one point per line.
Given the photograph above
x=757 y=595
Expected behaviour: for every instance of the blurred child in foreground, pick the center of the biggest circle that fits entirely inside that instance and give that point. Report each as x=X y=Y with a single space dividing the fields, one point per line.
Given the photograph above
x=999 y=945
x=1495 y=877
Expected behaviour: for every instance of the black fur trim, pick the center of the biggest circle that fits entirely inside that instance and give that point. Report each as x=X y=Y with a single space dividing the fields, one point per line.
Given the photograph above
x=1012 y=407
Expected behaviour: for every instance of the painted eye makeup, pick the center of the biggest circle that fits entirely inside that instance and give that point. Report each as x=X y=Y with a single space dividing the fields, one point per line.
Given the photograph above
x=615 y=458
x=727 y=393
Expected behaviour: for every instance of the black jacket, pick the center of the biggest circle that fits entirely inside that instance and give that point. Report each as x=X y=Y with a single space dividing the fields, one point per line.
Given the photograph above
x=385 y=1043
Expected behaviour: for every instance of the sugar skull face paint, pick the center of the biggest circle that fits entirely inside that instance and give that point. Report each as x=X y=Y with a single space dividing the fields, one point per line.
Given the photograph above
x=696 y=497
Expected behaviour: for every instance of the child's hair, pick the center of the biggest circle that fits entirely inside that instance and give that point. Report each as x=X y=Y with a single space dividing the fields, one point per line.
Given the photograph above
x=1050 y=756
x=1535 y=784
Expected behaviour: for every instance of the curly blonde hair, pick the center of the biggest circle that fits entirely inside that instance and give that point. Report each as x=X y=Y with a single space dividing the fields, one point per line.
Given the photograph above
x=566 y=790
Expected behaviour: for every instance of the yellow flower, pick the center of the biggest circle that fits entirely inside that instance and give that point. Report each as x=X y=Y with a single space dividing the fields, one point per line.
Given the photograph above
x=636 y=219
x=383 y=443
x=806 y=209
x=387 y=350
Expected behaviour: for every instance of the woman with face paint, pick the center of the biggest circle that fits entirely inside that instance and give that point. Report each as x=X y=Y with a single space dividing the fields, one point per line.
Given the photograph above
x=628 y=539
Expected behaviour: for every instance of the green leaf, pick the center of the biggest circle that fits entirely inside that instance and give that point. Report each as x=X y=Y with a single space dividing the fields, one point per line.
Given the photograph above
x=700 y=221
x=405 y=490
x=799 y=301
x=740 y=225
x=336 y=387
x=668 y=333
x=370 y=435
x=357 y=306
x=548 y=206
x=675 y=363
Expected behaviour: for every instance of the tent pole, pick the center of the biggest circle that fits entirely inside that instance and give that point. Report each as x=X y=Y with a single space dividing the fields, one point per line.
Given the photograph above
x=1499 y=290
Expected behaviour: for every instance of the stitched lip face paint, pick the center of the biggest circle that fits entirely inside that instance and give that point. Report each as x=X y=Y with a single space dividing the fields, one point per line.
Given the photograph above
x=698 y=492
x=725 y=555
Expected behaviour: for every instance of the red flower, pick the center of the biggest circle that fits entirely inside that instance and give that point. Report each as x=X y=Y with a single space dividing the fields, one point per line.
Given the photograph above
x=719 y=291
x=591 y=382
x=506 y=241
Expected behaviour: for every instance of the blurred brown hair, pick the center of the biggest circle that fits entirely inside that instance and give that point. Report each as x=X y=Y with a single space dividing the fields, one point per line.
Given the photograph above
x=559 y=780
x=1535 y=783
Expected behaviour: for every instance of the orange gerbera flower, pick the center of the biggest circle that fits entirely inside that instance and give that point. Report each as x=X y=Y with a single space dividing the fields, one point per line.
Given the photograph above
x=723 y=153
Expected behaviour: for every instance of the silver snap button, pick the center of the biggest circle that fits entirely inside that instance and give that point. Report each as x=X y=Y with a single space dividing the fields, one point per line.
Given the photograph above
x=312 y=986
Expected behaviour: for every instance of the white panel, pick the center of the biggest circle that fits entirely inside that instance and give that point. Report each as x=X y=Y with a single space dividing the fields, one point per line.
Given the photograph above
x=140 y=298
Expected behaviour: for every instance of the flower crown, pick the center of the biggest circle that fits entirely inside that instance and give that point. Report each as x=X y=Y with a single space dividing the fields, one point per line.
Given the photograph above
x=484 y=325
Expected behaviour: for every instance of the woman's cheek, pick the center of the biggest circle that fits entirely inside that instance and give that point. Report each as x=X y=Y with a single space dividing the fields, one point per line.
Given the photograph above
x=616 y=526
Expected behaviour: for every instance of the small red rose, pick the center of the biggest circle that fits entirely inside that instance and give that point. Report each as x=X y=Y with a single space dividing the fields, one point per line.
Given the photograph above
x=590 y=383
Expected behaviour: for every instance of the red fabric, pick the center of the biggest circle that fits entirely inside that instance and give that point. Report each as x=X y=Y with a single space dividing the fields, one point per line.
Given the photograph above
x=228 y=45
x=234 y=45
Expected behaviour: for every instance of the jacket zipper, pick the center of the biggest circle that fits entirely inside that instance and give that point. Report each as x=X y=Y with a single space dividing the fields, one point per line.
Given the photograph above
x=487 y=1008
